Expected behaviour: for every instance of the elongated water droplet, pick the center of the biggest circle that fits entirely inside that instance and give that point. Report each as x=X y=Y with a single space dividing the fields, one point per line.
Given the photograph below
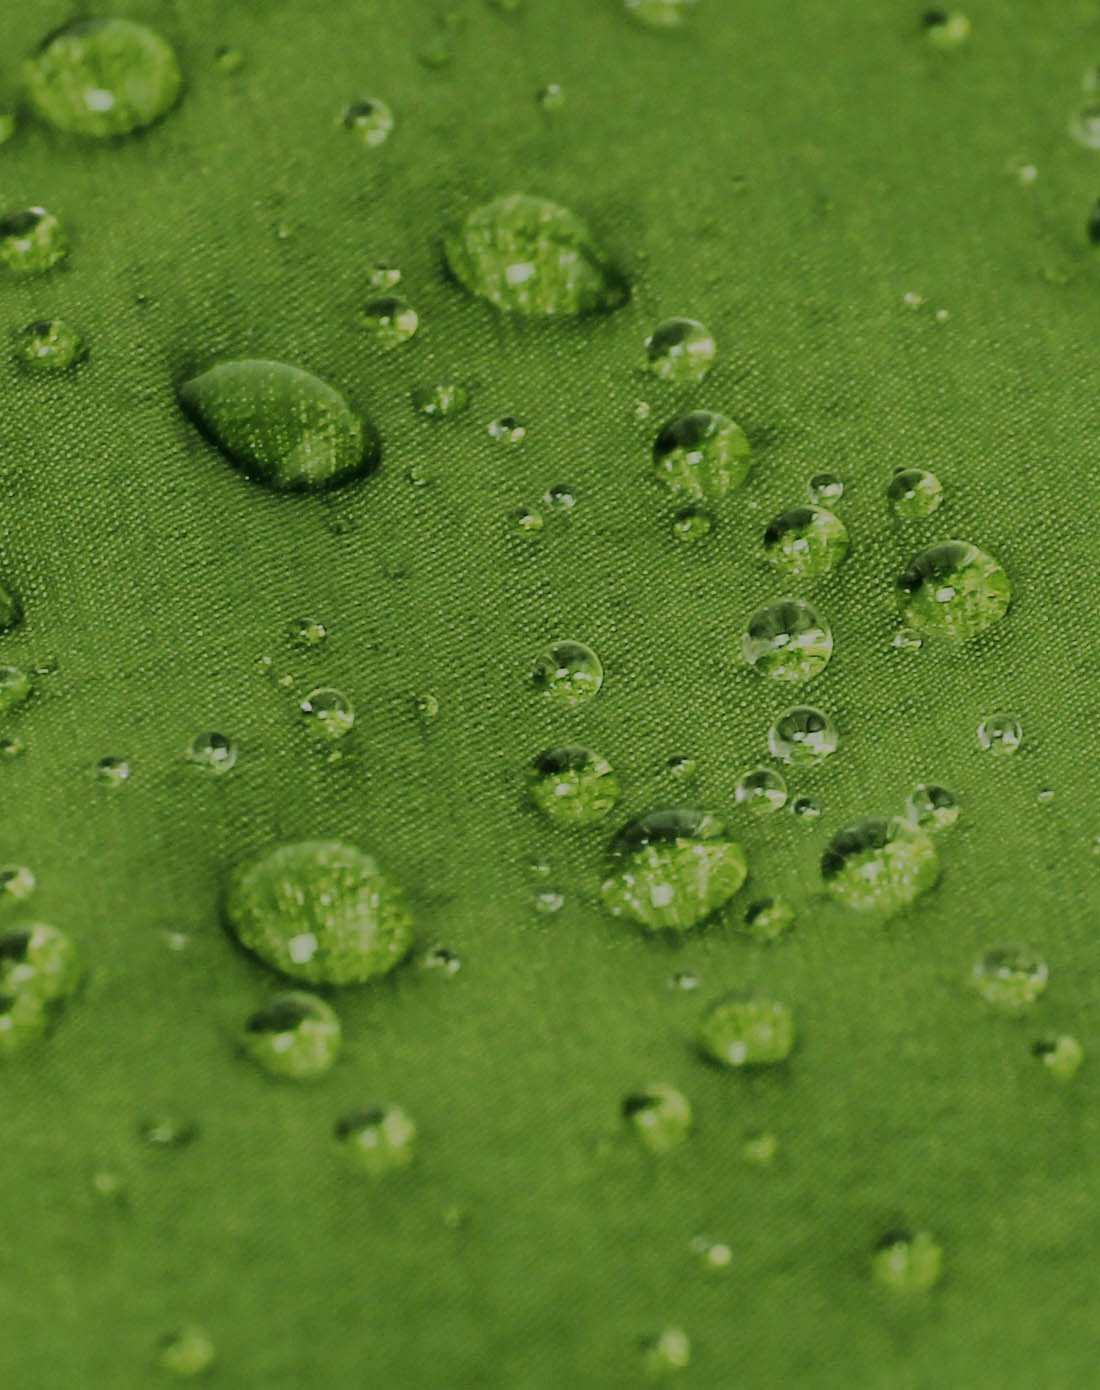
x=907 y=1262
x=670 y=870
x=328 y=713
x=295 y=1036
x=568 y=673
x=371 y=120
x=378 y=1141
x=761 y=791
x=102 y=78
x=186 y=1352
x=32 y=240
x=787 y=641
x=530 y=256
x=954 y=588
x=389 y=321
x=320 y=911
x=681 y=351
x=1061 y=1055
x=1010 y=977
x=702 y=456
x=441 y=400
x=932 y=807
x=1000 y=734
x=881 y=864
x=659 y=1115
x=805 y=542
x=280 y=425
x=49 y=345
x=16 y=687
x=660 y=14
x=914 y=493
x=745 y=1030
x=572 y=785
x=804 y=736
x=212 y=752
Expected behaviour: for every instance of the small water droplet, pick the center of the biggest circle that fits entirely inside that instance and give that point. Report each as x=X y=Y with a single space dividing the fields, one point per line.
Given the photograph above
x=212 y=752
x=16 y=883
x=907 y=1262
x=805 y=808
x=660 y=14
x=186 y=1351
x=945 y=29
x=1044 y=796
x=955 y=589
x=760 y=1149
x=547 y=900
x=307 y=632
x=881 y=864
x=320 y=911
x=389 y=321
x=561 y=497
x=441 y=960
x=440 y=400
x=107 y=1186
x=806 y=542
x=568 y=673
x=702 y=456
x=1010 y=977
x=659 y=1115
x=746 y=1030
x=803 y=736
x=427 y=707
x=1000 y=734
x=112 y=772
x=685 y=980
x=681 y=351
x=49 y=345
x=526 y=520
x=931 y=807
x=371 y=120
x=551 y=97
x=787 y=641
x=642 y=410
x=761 y=791
x=176 y=941
x=714 y=1255
x=295 y=1036
x=692 y=524
x=328 y=712
x=670 y=1349
x=39 y=961
x=907 y=639
x=1061 y=1055
x=914 y=493
x=507 y=430
x=32 y=240
x=383 y=276
x=16 y=688
x=12 y=746
x=767 y=919
x=228 y=60
x=378 y=1141
x=682 y=768
x=826 y=487
x=571 y=785
x=168 y=1131
x=1084 y=126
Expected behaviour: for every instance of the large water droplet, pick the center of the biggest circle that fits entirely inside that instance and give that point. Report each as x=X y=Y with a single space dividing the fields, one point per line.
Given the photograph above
x=371 y=120
x=328 y=713
x=530 y=256
x=787 y=641
x=660 y=1116
x=569 y=673
x=103 y=77
x=681 y=351
x=572 y=785
x=803 y=736
x=212 y=752
x=1000 y=734
x=186 y=1352
x=745 y=1030
x=660 y=14
x=32 y=240
x=296 y=1036
x=907 y=1262
x=320 y=911
x=914 y=493
x=378 y=1141
x=954 y=588
x=805 y=542
x=932 y=807
x=49 y=345
x=761 y=791
x=881 y=864
x=280 y=425
x=670 y=870
x=702 y=456
x=1010 y=977
x=389 y=321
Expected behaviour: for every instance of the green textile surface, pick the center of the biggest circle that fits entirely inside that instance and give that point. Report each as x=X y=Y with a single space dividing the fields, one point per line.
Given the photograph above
x=786 y=173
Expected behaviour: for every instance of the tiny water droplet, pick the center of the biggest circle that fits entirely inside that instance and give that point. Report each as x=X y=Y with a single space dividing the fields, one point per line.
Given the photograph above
x=712 y=1254
x=805 y=808
x=186 y=1351
x=547 y=900
x=383 y=276
x=568 y=673
x=702 y=456
x=692 y=524
x=1044 y=796
x=12 y=746
x=826 y=487
x=16 y=883
x=49 y=345
x=525 y=520
x=682 y=768
x=907 y=639
x=767 y=919
x=212 y=752
x=371 y=120
x=787 y=641
x=551 y=97
x=560 y=498
x=378 y=1141
x=427 y=707
x=228 y=60
x=1084 y=125
x=328 y=713
x=441 y=960
x=112 y=772
x=1000 y=734
x=507 y=430
x=1061 y=1055
x=907 y=1262
x=389 y=321
x=168 y=1131
x=1009 y=977
x=804 y=736
x=955 y=589
x=931 y=807
x=761 y=791
x=32 y=240
x=760 y=1149
x=107 y=1186
x=642 y=410
x=176 y=941
x=659 y=1115
x=685 y=980
x=660 y=14
x=945 y=29
x=16 y=687
x=914 y=493
x=805 y=543
x=571 y=785
x=307 y=632
x=295 y=1036
x=440 y=400
x=681 y=351
x=746 y=1030
x=670 y=1349
x=881 y=864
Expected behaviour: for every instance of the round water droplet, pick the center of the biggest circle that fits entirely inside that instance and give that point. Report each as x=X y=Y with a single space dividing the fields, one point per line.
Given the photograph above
x=320 y=911
x=714 y=1255
x=1000 y=734
x=102 y=78
x=308 y=632
x=681 y=351
x=371 y=120
x=440 y=400
x=49 y=345
x=389 y=321
x=803 y=736
x=760 y=1149
x=16 y=687
x=378 y=1141
x=769 y=918
x=547 y=900
x=914 y=493
x=761 y=791
x=507 y=430
x=670 y=870
x=294 y=1037
x=572 y=785
x=280 y=425
x=945 y=29
x=907 y=1262
x=228 y=60
x=670 y=1349
x=561 y=497
x=32 y=240
x=660 y=14
x=212 y=752
x=551 y=97
x=683 y=769
x=427 y=707
x=168 y=1131
x=744 y=1030
x=16 y=883
x=931 y=807
x=112 y=772
x=787 y=641
x=1009 y=977
x=39 y=960
x=328 y=713
x=1085 y=125
x=659 y=1115
x=691 y=524
x=1061 y=1055
x=383 y=276
x=702 y=456
x=568 y=673
x=186 y=1351
x=826 y=488
x=805 y=542
x=881 y=864
x=530 y=256
x=954 y=588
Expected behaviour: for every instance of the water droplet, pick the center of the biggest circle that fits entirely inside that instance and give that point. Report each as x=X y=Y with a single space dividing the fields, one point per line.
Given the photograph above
x=569 y=673
x=702 y=456
x=761 y=791
x=383 y=276
x=294 y=1037
x=769 y=918
x=805 y=808
x=12 y=746
x=32 y=240
x=760 y=1149
x=187 y=1351
x=16 y=688
x=378 y=1141
x=670 y=870
x=389 y=321
x=228 y=60
x=787 y=641
x=660 y=14
x=530 y=256
x=440 y=400
x=16 y=882
x=954 y=588
x=112 y=772
x=806 y=542
x=881 y=864
x=280 y=425
x=212 y=752
x=1084 y=127
x=931 y=807
x=670 y=1349
x=168 y=1131
x=551 y=97
x=660 y=1116
x=1000 y=734
x=320 y=911
x=328 y=713
x=1044 y=796
x=308 y=632
x=107 y=1186
x=692 y=524
x=907 y=1262
x=507 y=430
x=49 y=345
x=907 y=639
x=427 y=707
x=1009 y=977
x=39 y=960
x=826 y=487
x=685 y=980
x=441 y=960
x=561 y=497
x=914 y=493
x=745 y=1030
x=803 y=736
x=681 y=351
x=572 y=785
x=642 y=410
x=176 y=940
x=683 y=769
x=1061 y=1055
x=945 y=29
x=547 y=900
x=713 y=1254
x=371 y=120
x=102 y=78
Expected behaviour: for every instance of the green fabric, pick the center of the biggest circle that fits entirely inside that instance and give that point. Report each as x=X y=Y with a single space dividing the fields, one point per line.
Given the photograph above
x=786 y=173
